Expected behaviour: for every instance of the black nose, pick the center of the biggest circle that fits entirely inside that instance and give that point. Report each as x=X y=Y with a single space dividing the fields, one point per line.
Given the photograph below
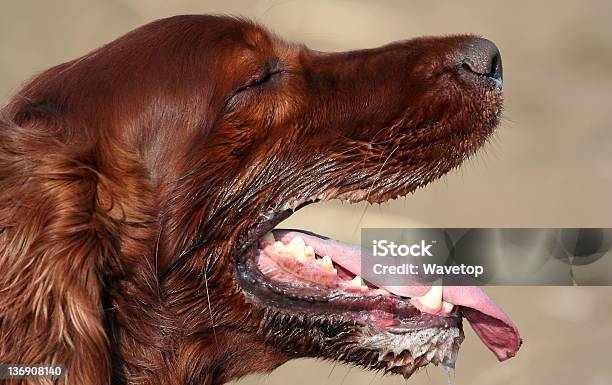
x=482 y=57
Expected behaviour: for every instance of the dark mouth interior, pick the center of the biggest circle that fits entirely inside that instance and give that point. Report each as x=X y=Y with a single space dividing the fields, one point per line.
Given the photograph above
x=288 y=274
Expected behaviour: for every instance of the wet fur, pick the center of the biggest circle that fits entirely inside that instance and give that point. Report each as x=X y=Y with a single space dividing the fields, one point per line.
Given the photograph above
x=131 y=178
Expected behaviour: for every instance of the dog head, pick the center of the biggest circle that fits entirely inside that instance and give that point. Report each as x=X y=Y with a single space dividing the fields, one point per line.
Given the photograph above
x=184 y=143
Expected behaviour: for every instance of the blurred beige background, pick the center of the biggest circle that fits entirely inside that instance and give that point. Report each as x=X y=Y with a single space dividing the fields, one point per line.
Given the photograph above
x=550 y=165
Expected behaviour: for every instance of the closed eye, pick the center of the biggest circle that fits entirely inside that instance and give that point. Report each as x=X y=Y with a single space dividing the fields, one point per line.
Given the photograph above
x=267 y=75
x=260 y=79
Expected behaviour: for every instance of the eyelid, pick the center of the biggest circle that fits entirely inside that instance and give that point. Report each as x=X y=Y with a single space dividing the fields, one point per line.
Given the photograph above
x=262 y=77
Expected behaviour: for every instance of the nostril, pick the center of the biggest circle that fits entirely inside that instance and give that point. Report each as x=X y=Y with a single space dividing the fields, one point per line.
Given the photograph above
x=496 y=67
x=467 y=66
x=482 y=57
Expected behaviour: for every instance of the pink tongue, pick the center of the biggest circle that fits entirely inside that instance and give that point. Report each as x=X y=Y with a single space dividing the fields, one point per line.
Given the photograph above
x=489 y=322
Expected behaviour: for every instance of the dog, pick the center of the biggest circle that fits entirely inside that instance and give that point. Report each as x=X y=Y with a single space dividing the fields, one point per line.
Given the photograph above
x=140 y=186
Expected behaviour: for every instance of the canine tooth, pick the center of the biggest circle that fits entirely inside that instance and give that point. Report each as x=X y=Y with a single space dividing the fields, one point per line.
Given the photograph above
x=269 y=237
x=297 y=243
x=309 y=252
x=297 y=248
x=447 y=306
x=357 y=281
x=299 y=255
x=326 y=263
x=433 y=298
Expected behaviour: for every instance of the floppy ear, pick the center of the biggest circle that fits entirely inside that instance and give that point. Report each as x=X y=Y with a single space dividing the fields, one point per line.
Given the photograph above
x=55 y=244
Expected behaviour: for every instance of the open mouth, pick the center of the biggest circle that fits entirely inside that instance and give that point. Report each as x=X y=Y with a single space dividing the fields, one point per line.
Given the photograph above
x=302 y=272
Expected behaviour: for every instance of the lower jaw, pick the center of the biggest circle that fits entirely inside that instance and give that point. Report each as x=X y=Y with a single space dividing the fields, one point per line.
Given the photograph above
x=388 y=314
x=399 y=341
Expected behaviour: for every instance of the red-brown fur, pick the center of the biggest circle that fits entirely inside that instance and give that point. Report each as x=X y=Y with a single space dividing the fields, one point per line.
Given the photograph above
x=129 y=179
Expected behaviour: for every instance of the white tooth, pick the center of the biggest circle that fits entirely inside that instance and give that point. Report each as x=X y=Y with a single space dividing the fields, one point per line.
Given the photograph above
x=280 y=247
x=433 y=298
x=297 y=248
x=326 y=263
x=269 y=237
x=297 y=243
x=357 y=281
x=309 y=252
x=382 y=291
x=299 y=255
x=447 y=306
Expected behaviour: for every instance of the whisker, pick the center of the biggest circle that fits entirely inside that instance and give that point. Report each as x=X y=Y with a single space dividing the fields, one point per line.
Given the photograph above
x=379 y=172
x=359 y=222
x=373 y=378
x=212 y=321
x=272 y=6
x=157 y=256
x=345 y=375
x=332 y=369
x=372 y=187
